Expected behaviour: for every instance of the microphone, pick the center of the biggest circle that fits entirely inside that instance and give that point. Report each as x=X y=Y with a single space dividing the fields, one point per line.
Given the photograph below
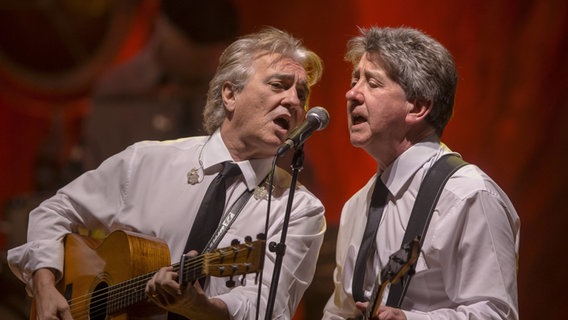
x=317 y=119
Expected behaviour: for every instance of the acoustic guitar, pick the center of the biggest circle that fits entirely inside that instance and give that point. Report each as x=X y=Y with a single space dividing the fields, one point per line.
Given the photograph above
x=106 y=279
x=400 y=263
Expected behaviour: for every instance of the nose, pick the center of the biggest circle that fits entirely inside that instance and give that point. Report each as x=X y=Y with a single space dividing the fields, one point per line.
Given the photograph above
x=292 y=98
x=293 y=103
x=354 y=94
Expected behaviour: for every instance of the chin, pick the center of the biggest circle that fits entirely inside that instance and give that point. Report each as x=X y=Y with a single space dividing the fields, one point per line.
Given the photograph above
x=357 y=143
x=358 y=140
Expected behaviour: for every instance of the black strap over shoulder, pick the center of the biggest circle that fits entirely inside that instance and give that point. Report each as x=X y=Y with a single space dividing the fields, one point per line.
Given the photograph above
x=426 y=200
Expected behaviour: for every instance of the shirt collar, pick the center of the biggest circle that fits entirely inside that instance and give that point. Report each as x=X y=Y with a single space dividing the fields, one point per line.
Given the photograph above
x=215 y=152
x=400 y=172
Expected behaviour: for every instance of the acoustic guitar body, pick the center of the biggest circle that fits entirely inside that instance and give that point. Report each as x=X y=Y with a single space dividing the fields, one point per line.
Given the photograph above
x=92 y=266
x=106 y=280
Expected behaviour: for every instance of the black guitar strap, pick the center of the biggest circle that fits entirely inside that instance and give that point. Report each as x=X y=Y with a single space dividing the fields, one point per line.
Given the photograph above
x=426 y=200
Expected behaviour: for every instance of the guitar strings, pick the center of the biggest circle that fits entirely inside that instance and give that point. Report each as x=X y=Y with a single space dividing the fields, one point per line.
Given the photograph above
x=137 y=286
x=79 y=306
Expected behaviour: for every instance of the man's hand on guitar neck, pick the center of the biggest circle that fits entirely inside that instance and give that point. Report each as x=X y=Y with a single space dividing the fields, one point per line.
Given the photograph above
x=48 y=302
x=385 y=313
x=189 y=301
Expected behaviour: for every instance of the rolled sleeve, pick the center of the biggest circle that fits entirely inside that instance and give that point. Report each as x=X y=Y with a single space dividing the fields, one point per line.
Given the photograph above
x=26 y=259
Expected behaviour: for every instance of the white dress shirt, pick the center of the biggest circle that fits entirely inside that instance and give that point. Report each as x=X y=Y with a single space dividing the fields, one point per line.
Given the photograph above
x=467 y=265
x=145 y=189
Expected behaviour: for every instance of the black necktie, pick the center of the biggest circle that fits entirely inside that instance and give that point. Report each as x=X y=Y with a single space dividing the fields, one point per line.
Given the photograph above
x=378 y=201
x=208 y=216
x=211 y=209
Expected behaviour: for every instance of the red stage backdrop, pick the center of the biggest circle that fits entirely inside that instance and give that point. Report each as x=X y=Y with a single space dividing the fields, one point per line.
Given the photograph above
x=509 y=115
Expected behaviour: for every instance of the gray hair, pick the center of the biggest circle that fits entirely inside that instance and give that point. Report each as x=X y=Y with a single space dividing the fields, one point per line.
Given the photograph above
x=419 y=64
x=235 y=67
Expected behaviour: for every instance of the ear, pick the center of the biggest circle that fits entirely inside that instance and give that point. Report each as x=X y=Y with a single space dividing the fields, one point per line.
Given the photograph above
x=229 y=96
x=418 y=110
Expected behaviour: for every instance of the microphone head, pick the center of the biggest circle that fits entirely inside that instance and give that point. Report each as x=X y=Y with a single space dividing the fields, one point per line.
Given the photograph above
x=320 y=115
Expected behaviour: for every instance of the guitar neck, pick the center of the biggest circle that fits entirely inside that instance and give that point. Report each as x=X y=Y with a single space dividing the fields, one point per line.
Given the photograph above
x=375 y=299
x=400 y=263
x=125 y=294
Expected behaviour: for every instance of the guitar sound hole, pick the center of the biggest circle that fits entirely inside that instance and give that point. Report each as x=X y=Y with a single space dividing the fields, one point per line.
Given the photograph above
x=99 y=300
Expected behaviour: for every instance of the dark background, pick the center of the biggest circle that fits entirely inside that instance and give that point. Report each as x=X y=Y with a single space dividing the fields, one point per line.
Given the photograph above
x=510 y=116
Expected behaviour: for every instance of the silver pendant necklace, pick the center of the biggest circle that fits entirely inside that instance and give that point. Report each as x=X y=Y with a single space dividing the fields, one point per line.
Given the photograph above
x=193 y=176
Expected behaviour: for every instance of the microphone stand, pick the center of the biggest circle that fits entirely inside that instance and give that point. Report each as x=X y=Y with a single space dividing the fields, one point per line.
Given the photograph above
x=280 y=248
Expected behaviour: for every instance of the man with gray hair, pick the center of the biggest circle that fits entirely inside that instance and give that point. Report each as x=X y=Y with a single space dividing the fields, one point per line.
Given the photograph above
x=258 y=95
x=401 y=98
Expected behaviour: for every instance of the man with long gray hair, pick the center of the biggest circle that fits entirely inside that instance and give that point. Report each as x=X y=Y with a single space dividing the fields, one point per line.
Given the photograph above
x=157 y=188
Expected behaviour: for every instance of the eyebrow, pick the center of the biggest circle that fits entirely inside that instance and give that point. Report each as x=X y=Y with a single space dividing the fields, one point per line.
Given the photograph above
x=368 y=74
x=290 y=78
x=379 y=76
x=355 y=73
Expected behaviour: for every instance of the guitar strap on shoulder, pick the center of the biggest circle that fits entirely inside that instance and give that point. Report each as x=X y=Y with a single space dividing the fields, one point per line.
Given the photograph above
x=229 y=218
x=227 y=221
x=424 y=206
